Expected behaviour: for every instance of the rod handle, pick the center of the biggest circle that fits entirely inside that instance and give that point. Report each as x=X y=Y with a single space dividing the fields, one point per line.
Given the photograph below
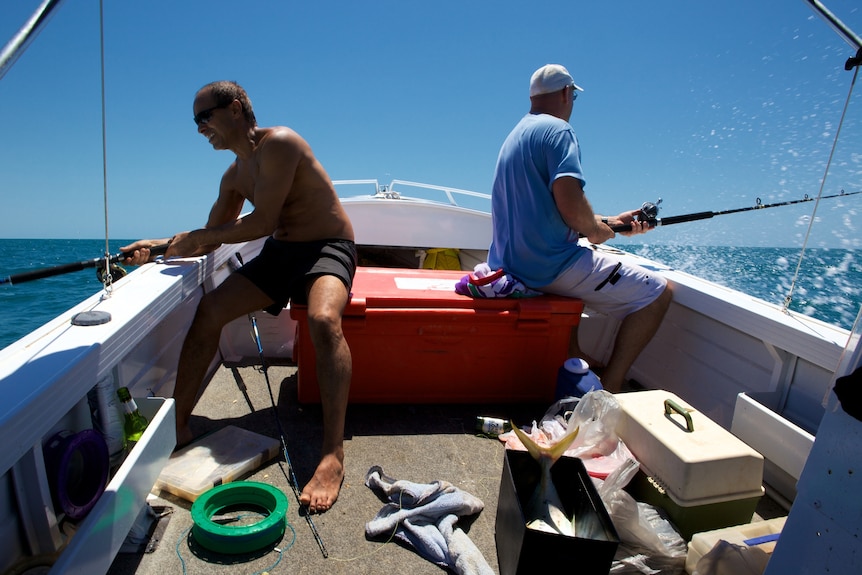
x=158 y=250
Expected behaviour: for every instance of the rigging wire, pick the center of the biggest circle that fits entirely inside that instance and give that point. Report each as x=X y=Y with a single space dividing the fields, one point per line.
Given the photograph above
x=106 y=277
x=789 y=297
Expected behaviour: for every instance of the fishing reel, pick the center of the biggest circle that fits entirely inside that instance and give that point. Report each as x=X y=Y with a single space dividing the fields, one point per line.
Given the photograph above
x=649 y=211
x=116 y=270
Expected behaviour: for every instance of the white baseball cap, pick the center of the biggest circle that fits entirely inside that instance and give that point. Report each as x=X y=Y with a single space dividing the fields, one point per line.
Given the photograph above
x=551 y=78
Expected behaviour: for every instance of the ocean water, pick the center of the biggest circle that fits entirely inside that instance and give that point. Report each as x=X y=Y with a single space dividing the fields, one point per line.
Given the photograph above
x=829 y=286
x=28 y=305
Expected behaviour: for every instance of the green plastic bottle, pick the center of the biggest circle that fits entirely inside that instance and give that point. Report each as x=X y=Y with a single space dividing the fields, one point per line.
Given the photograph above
x=135 y=423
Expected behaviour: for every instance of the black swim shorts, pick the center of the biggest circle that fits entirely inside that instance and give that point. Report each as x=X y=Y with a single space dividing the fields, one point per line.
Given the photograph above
x=282 y=269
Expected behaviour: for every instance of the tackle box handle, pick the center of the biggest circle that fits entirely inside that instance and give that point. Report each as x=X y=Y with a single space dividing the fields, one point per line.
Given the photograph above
x=670 y=406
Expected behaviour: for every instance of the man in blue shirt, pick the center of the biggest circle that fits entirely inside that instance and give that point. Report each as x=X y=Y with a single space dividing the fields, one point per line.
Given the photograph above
x=539 y=210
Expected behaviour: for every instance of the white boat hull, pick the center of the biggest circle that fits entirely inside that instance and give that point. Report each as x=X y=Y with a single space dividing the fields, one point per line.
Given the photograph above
x=715 y=346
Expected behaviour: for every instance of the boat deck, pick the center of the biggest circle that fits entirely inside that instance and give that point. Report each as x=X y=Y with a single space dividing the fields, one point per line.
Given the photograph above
x=419 y=443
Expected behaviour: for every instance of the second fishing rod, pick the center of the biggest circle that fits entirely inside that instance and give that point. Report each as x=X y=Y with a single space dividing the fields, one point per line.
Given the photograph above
x=649 y=211
x=291 y=475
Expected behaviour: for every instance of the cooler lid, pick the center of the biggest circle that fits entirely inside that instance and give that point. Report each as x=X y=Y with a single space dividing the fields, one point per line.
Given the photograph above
x=381 y=288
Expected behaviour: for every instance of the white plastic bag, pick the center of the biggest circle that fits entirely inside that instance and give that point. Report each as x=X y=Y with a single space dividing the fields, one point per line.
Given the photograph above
x=596 y=415
x=648 y=542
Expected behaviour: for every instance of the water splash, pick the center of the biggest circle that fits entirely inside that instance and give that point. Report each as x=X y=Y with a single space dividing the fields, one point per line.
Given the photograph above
x=829 y=287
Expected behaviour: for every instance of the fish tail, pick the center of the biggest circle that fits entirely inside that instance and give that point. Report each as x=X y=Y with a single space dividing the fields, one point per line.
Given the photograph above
x=539 y=452
x=559 y=448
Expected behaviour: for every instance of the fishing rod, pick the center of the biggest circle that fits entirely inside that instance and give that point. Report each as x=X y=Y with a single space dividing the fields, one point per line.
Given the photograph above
x=649 y=211
x=291 y=479
x=98 y=263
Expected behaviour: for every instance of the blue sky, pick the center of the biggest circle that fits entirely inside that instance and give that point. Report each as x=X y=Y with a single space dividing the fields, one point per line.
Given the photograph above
x=707 y=105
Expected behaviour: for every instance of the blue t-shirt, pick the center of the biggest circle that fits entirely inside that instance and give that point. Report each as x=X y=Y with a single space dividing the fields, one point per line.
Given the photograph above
x=531 y=241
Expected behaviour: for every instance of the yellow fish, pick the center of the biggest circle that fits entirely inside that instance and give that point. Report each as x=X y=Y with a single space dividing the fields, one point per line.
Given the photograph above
x=545 y=511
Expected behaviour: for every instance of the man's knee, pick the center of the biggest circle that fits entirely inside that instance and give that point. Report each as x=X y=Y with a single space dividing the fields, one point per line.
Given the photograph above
x=659 y=306
x=235 y=297
x=212 y=313
x=666 y=296
x=324 y=323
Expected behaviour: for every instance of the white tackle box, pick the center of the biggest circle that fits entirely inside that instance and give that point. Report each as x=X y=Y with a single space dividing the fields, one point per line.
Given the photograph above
x=701 y=474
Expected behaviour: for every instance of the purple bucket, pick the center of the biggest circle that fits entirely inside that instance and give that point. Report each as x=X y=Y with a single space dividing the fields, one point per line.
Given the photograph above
x=77 y=467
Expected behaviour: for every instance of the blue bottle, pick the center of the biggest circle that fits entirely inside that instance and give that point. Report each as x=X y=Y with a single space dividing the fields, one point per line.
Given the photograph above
x=574 y=379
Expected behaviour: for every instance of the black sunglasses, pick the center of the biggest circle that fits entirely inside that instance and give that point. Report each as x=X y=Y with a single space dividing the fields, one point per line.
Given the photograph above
x=204 y=116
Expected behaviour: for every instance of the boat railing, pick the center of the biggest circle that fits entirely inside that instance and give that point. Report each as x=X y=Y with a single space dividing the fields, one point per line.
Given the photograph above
x=454 y=196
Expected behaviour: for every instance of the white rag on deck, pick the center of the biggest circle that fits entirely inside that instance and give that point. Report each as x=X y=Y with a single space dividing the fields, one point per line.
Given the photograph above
x=424 y=515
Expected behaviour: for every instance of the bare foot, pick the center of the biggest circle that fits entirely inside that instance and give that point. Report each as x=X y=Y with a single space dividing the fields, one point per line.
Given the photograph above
x=321 y=492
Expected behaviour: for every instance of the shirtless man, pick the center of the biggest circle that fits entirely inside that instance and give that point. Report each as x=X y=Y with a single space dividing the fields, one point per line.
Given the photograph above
x=309 y=258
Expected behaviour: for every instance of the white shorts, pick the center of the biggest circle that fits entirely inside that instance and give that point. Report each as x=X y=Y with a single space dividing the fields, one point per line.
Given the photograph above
x=607 y=285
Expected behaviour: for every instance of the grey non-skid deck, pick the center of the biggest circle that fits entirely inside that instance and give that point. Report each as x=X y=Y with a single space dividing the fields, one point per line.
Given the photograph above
x=419 y=443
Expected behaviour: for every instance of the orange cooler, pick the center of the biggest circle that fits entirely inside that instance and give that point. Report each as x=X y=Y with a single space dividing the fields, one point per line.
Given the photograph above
x=414 y=340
